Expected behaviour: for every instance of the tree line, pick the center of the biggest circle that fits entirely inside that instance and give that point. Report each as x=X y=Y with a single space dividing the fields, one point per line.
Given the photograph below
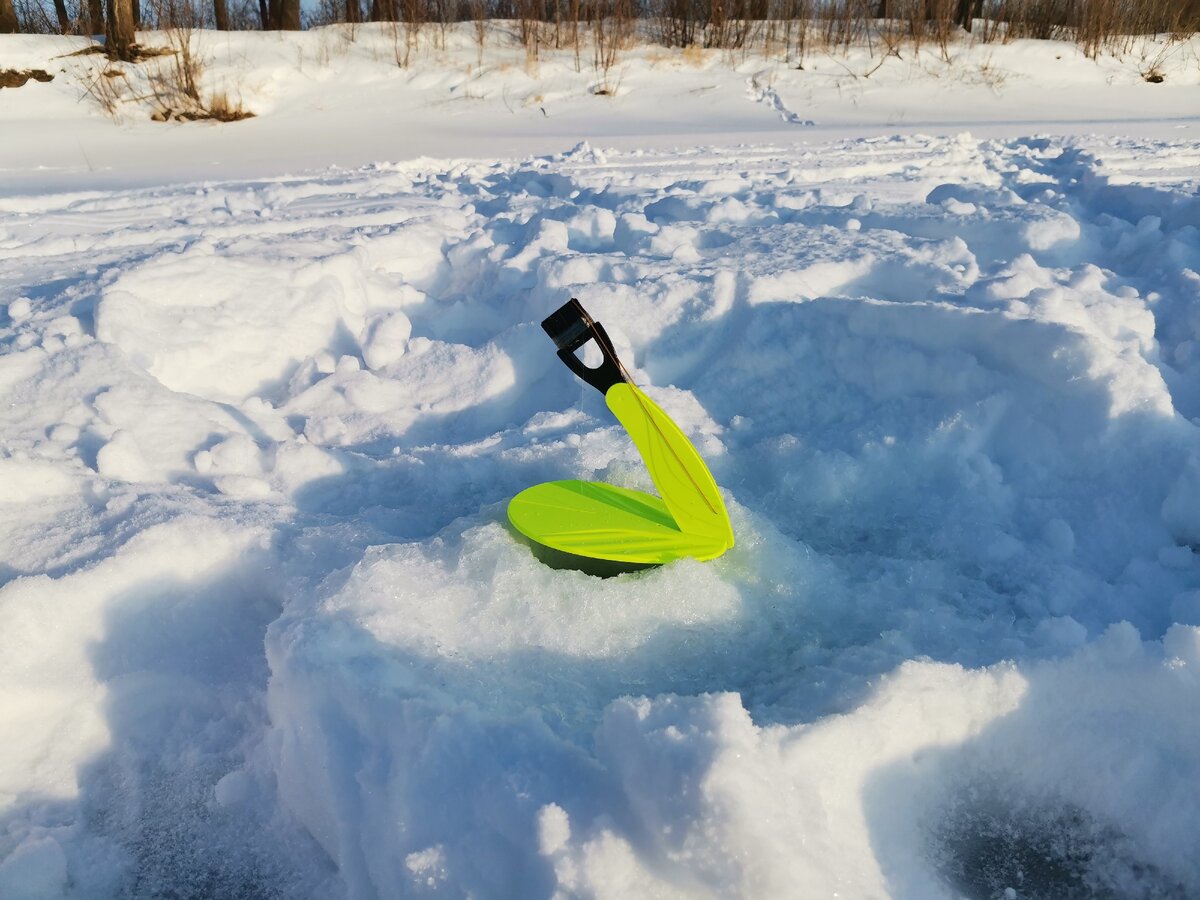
x=673 y=23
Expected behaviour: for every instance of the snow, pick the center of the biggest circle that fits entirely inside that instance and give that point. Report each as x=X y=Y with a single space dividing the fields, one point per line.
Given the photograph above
x=355 y=95
x=264 y=630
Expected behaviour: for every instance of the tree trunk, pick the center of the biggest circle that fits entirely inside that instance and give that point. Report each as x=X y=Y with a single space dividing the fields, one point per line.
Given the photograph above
x=289 y=15
x=284 y=15
x=353 y=12
x=965 y=13
x=8 y=17
x=220 y=15
x=95 y=19
x=264 y=15
x=64 y=18
x=119 y=36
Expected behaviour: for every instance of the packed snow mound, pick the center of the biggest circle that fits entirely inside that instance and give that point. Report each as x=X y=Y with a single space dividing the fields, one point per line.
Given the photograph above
x=265 y=630
x=183 y=317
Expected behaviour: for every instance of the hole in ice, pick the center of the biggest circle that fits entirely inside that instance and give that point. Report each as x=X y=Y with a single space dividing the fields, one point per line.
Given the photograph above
x=993 y=845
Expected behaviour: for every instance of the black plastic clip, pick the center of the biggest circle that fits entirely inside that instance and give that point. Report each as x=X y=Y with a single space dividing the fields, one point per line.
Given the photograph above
x=570 y=327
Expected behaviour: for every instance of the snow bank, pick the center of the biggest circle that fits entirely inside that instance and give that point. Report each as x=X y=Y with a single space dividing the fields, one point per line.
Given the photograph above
x=359 y=94
x=264 y=630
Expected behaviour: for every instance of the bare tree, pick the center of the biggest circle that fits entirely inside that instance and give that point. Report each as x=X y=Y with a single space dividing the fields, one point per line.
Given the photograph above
x=284 y=15
x=966 y=13
x=8 y=17
x=119 y=34
x=885 y=26
x=64 y=18
x=383 y=11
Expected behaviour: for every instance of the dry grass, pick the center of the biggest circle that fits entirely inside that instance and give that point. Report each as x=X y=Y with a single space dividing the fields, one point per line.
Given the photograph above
x=219 y=108
x=12 y=78
x=167 y=81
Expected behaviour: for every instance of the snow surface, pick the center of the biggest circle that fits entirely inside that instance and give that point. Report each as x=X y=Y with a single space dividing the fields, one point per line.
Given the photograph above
x=265 y=632
x=341 y=96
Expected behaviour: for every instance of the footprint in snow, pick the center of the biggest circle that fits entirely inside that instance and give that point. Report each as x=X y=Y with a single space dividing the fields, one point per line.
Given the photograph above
x=767 y=95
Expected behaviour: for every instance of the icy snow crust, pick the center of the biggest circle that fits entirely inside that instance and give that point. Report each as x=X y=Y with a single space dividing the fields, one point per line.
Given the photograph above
x=264 y=630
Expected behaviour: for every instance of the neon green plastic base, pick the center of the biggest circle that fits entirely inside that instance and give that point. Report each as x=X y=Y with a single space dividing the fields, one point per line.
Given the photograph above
x=602 y=521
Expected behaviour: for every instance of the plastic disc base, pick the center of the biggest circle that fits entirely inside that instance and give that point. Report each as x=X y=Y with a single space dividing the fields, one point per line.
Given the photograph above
x=601 y=521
